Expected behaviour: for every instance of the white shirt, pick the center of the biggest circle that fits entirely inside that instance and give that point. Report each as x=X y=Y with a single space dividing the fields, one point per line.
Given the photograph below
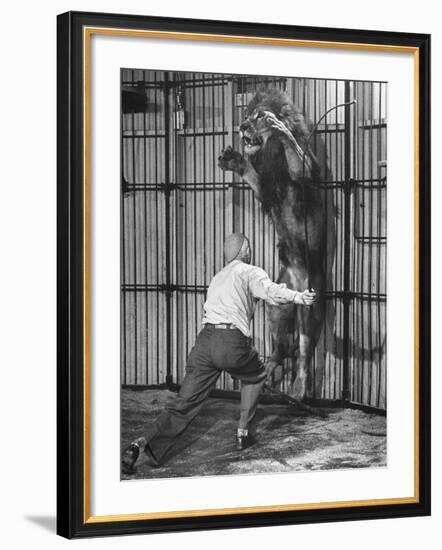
x=234 y=291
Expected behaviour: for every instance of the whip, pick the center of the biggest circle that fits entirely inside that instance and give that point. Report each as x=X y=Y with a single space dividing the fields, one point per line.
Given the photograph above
x=296 y=402
x=305 y=151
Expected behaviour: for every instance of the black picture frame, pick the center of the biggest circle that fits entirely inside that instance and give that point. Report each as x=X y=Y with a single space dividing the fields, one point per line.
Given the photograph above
x=72 y=515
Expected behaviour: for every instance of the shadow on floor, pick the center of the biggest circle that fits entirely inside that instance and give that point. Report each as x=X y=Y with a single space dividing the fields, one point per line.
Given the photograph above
x=288 y=440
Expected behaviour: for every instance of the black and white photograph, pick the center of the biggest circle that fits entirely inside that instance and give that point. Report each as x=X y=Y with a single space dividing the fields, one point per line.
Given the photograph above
x=253 y=269
x=219 y=319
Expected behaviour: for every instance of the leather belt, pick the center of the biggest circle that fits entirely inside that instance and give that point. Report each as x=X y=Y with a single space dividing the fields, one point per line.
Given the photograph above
x=222 y=325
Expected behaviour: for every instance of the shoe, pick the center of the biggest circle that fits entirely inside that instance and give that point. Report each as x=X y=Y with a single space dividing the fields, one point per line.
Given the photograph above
x=129 y=457
x=244 y=441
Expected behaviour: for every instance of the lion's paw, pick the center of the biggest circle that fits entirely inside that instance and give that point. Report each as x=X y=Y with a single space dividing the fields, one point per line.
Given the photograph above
x=301 y=387
x=231 y=160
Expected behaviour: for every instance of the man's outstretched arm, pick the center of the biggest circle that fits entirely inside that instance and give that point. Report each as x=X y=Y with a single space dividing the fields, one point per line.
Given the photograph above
x=262 y=287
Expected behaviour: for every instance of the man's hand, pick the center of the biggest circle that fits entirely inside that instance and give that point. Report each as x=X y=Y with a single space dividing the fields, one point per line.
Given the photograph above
x=306 y=298
x=274 y=122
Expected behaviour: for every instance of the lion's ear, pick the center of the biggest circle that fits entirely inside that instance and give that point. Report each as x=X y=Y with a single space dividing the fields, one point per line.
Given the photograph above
x=286 y=110
x=286 y=114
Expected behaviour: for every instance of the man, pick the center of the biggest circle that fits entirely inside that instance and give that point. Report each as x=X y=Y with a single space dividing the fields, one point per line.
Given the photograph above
x=224 y=343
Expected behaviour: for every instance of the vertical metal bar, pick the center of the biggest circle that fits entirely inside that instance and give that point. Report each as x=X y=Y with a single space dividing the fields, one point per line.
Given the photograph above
x=315 y=150
x=346 y=238
x=385 y=257
x=203 y=179
x=134 y=212
x=146 y=294
x=224 y=83
x=123 y=232
x=157 y=232
x=167 y=190
x=186 y=245
x=173 y=232
x=176 y=220
x=234 y=179
x=379 y=248
x=173 y=154
x=213 y=177
x=338 y=252
x=371 y=243
x=223 y=124
x=362 y=247
x=195 y=224
x=356 y=134
x=326 y=207
x=262 y=236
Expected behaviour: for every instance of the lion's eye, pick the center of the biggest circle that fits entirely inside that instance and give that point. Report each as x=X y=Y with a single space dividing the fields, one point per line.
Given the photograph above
x=259 y=115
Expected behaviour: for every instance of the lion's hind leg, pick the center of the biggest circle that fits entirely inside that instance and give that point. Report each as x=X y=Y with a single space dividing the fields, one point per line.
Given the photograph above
x=310 y=321
x=283 y=331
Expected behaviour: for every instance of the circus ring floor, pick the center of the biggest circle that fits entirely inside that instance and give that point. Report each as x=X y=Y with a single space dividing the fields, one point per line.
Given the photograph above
x=288 y=440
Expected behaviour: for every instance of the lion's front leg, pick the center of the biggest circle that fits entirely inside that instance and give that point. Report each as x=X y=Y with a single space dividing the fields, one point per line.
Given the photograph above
x=299 y=164
x=230 y=160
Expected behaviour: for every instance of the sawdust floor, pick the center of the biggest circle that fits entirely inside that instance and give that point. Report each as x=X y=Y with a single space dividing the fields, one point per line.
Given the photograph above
x=288 y=440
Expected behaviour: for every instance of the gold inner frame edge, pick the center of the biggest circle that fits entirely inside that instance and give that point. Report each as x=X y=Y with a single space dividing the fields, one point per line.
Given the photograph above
x=87 y=33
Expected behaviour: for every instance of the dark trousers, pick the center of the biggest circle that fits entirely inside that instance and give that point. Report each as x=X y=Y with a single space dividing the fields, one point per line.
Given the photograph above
x=215 y=350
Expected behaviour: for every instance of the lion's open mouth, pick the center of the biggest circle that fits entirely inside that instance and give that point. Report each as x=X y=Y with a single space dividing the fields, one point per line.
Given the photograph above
x=252 y=141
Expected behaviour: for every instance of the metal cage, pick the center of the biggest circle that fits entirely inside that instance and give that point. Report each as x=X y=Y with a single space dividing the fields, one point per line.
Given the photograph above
x=177 y=207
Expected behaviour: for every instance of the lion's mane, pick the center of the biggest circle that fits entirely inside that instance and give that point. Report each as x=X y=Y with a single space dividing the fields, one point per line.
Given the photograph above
x=278 y=102
x=270 y=162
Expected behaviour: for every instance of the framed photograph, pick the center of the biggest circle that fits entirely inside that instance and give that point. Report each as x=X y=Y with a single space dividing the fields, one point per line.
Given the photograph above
x=243 y=274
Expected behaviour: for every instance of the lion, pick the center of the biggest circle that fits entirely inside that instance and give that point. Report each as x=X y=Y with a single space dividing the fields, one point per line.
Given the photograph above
x=284 y=174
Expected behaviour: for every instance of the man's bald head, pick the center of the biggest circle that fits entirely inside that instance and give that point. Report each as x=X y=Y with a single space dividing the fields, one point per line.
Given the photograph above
x=237 y=247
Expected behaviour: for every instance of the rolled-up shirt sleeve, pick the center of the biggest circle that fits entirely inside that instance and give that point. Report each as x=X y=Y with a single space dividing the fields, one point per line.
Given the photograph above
x=261 y=286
